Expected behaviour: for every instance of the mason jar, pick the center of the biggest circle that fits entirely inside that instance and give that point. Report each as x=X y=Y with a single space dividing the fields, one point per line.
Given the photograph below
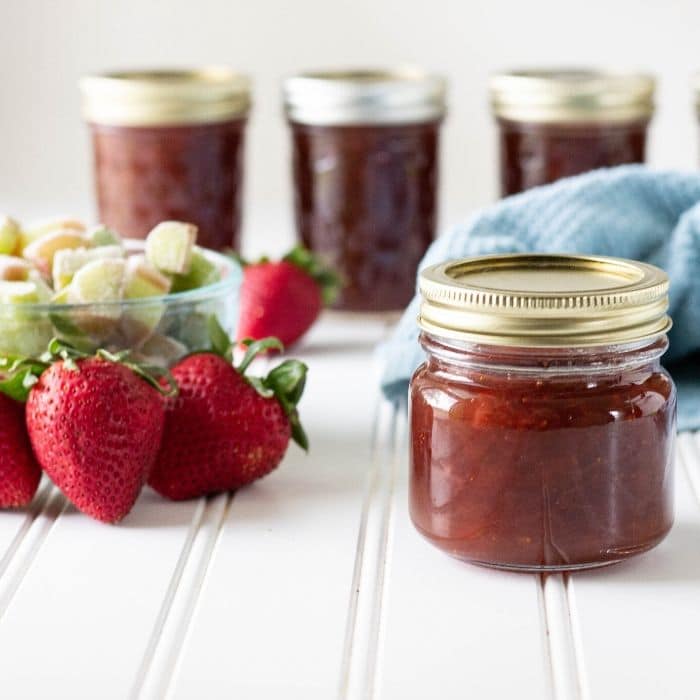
x=542 y=422
x=365 y=175
x=169 y=145
x=557 y=123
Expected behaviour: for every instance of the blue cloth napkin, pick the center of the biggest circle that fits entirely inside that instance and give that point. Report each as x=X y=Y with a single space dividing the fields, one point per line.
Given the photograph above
x=628 y=212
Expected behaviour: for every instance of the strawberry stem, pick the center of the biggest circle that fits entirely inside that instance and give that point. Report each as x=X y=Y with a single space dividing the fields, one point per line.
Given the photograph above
x=255 y=347
x=221 y=345
x=149 y=373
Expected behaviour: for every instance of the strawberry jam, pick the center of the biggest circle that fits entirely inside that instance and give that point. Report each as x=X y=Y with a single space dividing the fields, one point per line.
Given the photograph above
x=145 y=175
x=366 y=202
x=537 y=154
x=365 y=168
x=539 y=460
x=168 y=144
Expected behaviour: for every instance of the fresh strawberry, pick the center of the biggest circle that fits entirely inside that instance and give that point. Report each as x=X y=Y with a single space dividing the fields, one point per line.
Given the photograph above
x=225 y=429
x=284 y=298
x=95 y=426
x=19 y=472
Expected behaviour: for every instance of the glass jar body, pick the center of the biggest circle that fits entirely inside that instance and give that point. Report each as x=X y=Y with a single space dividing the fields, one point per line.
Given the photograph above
x=542 y=460
x=365 y=201
x=190 y=172
x=533 y=154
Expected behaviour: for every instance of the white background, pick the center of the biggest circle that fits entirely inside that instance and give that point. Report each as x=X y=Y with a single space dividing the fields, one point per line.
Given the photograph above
x=45 y=45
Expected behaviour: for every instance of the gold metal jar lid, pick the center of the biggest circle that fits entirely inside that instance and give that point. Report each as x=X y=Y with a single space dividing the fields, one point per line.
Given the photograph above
x=570 y=96
x=165 y=97
x=544 y=300
x=345 y=97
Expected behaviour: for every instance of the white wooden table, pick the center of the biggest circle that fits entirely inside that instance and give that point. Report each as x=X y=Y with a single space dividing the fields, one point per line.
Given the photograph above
x=313 y=584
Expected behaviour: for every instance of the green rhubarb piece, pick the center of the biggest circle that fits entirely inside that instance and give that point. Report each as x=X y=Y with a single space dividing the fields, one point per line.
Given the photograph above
x=36 y=231
x=23 y=330
x=103 y=236
x=99 y=281
x=144 y=280
x=25 y=337
x=44 y=292
x=42 y=251
x=10 y=235
x=99 y=284
x=19 y=293
x=202 y=273
x=67 y=262
x=169 y=246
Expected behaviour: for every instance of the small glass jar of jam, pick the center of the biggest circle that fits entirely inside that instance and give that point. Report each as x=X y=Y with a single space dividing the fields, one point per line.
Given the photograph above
x=542 y=423
x=169 y=145
x=554 y=124
x=365 y=169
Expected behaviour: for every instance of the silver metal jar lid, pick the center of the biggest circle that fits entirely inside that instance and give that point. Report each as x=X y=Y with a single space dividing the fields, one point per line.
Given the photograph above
x=344 y=97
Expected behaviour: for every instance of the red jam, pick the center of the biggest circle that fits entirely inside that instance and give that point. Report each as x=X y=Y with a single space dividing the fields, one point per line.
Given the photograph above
x=168 y=144
x=535 y=154
x=365 y=199
x=538 y=459
x=145 y=175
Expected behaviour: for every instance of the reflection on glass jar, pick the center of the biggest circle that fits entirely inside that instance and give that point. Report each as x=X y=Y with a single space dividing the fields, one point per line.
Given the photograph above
x=169 y=145
x=555 y=124
x=365 y=168
x=543 y=440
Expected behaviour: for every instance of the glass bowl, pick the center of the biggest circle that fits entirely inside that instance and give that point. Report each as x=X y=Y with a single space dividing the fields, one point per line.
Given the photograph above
x=157 y=330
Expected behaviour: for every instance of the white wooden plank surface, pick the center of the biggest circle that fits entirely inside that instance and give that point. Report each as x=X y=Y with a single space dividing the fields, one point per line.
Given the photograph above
x=313 y=584
x=79 y=624
x=15 y=523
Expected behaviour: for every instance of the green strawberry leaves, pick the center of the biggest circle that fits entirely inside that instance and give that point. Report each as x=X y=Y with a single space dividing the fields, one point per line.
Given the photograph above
x=19 y=374
x=327 y=280
x=285 y=382
x=220 y=342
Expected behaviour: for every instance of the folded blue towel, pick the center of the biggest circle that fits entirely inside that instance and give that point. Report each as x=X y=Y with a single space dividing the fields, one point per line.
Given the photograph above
x=628 y=212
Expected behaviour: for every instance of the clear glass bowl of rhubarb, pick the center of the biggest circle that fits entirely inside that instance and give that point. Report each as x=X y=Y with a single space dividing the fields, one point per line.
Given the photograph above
x=92 y=289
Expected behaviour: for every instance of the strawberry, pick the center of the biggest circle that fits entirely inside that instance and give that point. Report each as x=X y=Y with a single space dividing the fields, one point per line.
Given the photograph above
x=284 y=298
x=19 y=472
x=95 y=426
x=225 y=429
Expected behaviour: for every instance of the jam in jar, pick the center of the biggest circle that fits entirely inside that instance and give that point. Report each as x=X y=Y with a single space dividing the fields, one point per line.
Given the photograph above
x=169 y=145
x=365 y=169
x=542 y=423
x=555 y=124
